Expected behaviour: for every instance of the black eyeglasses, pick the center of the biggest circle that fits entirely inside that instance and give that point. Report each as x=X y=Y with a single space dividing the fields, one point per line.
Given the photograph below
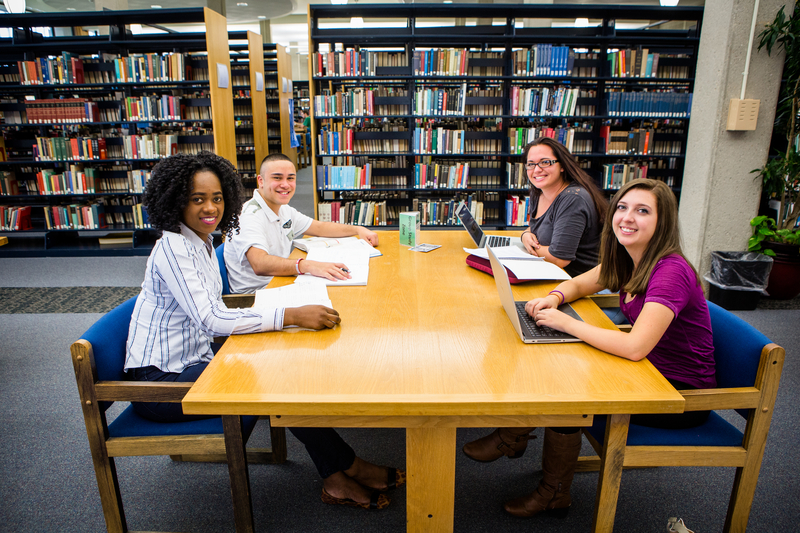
x=543 y=164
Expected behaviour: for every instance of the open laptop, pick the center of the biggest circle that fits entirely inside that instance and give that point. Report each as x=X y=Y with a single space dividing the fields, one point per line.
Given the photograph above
x=524 y=325
x=481 y=239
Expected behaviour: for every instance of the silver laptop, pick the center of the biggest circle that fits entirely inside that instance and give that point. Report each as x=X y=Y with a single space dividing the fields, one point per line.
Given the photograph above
x=524 y=325
x=481 y=239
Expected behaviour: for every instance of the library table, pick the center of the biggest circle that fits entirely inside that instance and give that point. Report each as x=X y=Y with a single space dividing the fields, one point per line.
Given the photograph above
x=426 y=346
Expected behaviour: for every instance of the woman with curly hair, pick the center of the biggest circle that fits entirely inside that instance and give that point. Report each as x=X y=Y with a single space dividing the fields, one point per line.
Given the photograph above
x=180 y=309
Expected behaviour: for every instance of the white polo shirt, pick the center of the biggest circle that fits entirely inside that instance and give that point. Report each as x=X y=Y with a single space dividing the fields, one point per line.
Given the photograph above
x=261 y=228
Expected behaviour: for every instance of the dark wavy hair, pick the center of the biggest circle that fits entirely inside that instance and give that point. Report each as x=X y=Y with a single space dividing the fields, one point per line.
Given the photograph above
x=617 y=271
x=572 y=173
x=167 y=192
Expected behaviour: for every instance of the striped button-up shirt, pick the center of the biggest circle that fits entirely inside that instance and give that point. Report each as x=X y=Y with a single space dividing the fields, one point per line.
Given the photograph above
x=180 y=308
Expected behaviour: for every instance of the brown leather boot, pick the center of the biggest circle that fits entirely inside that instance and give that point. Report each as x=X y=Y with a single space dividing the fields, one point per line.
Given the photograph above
x=510 y=442
x=560 y=457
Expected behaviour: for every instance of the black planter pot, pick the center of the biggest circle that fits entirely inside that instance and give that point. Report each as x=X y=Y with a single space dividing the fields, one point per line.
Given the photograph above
x=784 y=280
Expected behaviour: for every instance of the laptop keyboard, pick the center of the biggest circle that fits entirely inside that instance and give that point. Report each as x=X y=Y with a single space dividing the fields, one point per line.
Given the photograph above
x=496 y=241
x=529 y=327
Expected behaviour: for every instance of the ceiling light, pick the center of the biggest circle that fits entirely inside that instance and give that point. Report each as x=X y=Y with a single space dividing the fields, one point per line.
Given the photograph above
x=241 y=4
x=262 y=17
x=71 y=9
x=669 y=3
x=581 y=23
x=155 y=6
x=447 y=2
x=357 y=22
x=338 y=2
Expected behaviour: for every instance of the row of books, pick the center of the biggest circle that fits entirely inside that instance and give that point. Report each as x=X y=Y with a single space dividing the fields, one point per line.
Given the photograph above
x=69 y=69
x=355 y=63
x=344 y=142
x=15 y=218
x=65 y=148
x=435 y=176
x=546 y=101
x=80 y=180
x=519 y=137
x=544 y=60
x=454 y=62
x=517 y=210
x=440 y=101
x=164 y=107
x=641 y=63
x=616 y=175
x=344 y=177
x=430 y=140
x=358 y=102
x=61 y=111
x=359 y=212
x=649 y=104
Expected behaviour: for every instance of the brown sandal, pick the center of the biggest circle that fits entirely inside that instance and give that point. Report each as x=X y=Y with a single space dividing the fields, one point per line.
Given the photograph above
x=377 y=500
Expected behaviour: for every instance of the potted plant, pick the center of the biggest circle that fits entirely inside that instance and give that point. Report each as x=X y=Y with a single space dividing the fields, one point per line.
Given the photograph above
x=780 y=176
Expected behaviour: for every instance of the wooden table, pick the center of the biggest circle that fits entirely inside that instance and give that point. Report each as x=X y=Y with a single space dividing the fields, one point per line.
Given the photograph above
x=427 y=346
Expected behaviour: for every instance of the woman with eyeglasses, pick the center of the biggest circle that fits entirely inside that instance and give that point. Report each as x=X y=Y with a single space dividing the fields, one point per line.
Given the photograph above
x=567 y=208
x=566 y=218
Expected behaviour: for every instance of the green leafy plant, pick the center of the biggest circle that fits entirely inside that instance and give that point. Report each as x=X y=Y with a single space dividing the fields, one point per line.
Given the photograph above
x=780 y=176
x=765 y=229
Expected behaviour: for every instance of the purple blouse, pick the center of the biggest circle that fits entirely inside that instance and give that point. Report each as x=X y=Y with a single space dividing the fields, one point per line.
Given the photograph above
x=686 y=351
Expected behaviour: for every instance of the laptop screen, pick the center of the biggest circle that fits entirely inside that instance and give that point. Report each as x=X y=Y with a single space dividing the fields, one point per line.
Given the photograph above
x=469 y=223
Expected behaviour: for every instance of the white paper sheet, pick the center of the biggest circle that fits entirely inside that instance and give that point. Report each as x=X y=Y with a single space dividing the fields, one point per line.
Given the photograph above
x=293 y=296
x=330 y=242
x=356 y=259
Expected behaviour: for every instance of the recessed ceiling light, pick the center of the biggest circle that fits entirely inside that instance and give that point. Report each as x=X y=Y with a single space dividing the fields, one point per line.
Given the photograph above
x=241 y=4
x=262 y=16
x=155 y=6
x=71 y=9
x=338 y=2
x=357 y=22
x=447 y=2
x=581 y=23
x=669 y=3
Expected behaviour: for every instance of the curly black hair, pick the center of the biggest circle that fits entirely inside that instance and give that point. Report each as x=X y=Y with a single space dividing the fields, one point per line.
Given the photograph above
x=167 y=192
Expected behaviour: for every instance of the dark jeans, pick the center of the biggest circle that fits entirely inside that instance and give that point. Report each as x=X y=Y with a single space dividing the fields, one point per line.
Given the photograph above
x=666 y=421
x=329 y=452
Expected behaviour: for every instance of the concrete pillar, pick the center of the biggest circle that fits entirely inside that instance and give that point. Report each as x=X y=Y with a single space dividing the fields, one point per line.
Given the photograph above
x=116 y=5
x=217 y=5
x=719 y=196
x=266 y=31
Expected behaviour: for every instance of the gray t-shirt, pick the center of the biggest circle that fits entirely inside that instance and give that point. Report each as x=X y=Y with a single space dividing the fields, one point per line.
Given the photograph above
x=570 y=228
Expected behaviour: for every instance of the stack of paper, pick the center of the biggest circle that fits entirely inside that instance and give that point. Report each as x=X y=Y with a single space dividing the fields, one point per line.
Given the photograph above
x=522 y=264
x=293 y=296
x=312 y=243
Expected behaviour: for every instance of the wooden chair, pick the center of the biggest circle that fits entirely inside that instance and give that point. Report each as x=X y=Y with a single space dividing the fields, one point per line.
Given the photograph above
x=748 y=368
x=98 y=359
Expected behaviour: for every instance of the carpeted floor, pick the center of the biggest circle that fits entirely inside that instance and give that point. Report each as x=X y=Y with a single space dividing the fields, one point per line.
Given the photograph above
x=14 y=300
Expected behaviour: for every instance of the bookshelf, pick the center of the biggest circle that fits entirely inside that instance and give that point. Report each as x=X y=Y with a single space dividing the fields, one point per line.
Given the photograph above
x=436 y=105
x=85 y=118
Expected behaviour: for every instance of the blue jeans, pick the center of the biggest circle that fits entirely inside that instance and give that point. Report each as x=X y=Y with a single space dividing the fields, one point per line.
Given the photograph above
x=614 y=313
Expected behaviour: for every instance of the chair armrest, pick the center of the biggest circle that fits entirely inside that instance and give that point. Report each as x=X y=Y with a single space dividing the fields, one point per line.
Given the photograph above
x=141 y=391
x=712 y=399
x=238 y=300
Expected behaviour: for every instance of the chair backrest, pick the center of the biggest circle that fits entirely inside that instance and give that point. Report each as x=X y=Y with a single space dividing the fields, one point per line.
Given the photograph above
x=108 y=337
x=220 y=251
x=737 y=348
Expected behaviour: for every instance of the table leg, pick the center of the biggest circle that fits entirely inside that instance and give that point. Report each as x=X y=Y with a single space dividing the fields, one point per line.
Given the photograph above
x=611 y=463
x=237 y=469
x=431 y=465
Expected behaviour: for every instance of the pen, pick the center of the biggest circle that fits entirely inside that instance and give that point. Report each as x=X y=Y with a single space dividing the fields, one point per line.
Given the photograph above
x=345 y=271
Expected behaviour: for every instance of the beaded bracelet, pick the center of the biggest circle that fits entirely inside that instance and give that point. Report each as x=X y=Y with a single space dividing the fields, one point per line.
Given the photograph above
x=560 y=294
x=297 y=266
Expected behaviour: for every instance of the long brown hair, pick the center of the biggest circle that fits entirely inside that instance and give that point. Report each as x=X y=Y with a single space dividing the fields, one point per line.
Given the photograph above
x=617 y=271
x=572 y=173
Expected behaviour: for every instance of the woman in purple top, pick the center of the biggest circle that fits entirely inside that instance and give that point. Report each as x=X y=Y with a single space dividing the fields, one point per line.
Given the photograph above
x=661 y=295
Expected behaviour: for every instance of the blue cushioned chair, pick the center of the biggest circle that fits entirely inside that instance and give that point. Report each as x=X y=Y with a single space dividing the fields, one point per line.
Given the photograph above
x=231 y=300
x=98 y=359
x=220 y=251
x=748 y=368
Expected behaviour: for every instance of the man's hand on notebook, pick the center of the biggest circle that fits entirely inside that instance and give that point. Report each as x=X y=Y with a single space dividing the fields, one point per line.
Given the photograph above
x=331 y=271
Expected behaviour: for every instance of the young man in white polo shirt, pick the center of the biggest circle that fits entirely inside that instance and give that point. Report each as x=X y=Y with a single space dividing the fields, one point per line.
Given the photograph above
x=267 y=227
